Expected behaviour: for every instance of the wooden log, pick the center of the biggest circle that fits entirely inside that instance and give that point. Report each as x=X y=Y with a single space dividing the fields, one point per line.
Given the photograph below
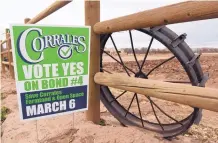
x=205 y=98
x=176 y=13
x=92 y=16
x=49 y=10
x=4 y=41
x=2 y=58
x=5 y=62
x=7 y=49
x=10 y=57
x=4 y=52
x=26 y=20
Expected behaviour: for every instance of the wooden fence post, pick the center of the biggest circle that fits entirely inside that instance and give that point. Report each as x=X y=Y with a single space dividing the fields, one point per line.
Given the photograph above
x=92 y=16
x=2 y=58
x=6 y=49
x=10 y=58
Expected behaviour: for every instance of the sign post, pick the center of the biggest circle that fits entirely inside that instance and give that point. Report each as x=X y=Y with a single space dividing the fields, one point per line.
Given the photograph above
x=51 y=69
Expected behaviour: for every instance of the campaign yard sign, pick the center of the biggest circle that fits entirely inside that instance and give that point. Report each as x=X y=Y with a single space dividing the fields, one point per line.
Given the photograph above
x=51 y=69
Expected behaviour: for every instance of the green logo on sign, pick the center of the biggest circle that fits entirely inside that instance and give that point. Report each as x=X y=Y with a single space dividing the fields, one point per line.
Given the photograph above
x=66 y=43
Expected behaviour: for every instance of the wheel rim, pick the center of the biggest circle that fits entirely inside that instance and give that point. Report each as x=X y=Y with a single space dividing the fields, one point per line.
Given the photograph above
x=123 y=114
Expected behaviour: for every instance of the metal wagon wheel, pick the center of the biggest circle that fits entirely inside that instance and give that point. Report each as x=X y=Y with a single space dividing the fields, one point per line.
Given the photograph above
x=113 y=101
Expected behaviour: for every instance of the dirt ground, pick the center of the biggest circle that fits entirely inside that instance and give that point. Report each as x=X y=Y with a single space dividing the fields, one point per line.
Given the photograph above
x=74 y=127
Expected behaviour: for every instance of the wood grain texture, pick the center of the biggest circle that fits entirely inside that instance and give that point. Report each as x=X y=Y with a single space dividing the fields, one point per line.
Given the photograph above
x=49 y=10
x=5 y=63
x=205 y=98
x=26 y=20
x=4 y=41
x=4 y=52
x=2 y=58
x=10 y=57
x=92 y=16
x=176 y=13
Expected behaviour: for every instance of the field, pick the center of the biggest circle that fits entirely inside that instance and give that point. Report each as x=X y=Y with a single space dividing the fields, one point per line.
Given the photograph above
x=74 y=128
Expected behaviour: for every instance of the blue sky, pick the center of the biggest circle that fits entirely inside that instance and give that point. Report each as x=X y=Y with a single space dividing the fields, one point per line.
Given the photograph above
x=200 y=34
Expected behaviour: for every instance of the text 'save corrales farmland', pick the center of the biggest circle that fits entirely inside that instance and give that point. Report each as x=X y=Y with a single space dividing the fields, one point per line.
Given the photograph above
x=51 y=69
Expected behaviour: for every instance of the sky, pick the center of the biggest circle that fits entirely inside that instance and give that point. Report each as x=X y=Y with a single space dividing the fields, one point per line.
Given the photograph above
x=199 y=34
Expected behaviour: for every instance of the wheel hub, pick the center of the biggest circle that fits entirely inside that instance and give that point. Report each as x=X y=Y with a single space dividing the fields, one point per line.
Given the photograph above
x=140 y=74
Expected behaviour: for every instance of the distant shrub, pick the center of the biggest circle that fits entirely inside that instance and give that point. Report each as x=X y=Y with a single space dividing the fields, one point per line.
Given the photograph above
x=4 y=112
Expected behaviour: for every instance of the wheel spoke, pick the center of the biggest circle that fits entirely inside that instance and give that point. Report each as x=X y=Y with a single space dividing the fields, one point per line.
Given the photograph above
x=119 y=55
x=137 y=100
x=146 y=55
x=130 y=105
x=118 y=96
x=106 y=70
x=160 y=65
x=156 y=115
x=133 y=50
x=118 y=61
x=163 y=111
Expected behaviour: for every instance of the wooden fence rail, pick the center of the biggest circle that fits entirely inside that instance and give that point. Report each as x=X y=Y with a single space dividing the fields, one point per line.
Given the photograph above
x=176 y=13
x=205 y=98
x=49 y=10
